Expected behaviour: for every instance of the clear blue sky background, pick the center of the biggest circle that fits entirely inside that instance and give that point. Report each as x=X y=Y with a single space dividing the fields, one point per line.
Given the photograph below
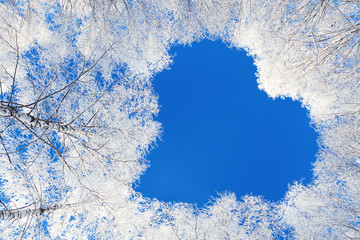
x=222 y=133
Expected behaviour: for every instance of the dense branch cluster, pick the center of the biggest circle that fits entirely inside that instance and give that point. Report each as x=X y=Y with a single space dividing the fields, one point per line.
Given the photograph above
x=77 y=108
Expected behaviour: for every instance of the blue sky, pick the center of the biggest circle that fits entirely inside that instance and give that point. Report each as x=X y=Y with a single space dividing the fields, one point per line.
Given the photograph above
x=222 y=133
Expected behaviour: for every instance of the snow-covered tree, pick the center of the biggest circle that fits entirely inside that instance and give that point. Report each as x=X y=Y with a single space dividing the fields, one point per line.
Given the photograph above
x=74 y=124
x=77 y=107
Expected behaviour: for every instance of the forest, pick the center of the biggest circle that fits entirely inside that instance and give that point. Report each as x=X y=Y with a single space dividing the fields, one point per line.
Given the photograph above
x=77 y=110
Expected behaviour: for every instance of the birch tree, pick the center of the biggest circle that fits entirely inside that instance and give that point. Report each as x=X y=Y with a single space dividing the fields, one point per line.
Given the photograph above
x=68 y=126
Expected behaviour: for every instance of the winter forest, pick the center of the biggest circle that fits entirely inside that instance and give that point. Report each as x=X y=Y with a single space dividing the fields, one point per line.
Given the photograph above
x=77 y=112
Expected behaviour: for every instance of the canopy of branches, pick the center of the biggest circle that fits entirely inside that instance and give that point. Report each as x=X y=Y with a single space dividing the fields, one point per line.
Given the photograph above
x=77 y=108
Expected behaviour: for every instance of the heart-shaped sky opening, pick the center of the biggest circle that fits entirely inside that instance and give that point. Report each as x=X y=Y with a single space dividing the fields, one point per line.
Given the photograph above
x=222 y=133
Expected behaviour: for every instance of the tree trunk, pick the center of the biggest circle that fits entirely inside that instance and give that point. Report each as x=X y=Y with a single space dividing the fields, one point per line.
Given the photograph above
x=17 y=214
x=33 y=122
